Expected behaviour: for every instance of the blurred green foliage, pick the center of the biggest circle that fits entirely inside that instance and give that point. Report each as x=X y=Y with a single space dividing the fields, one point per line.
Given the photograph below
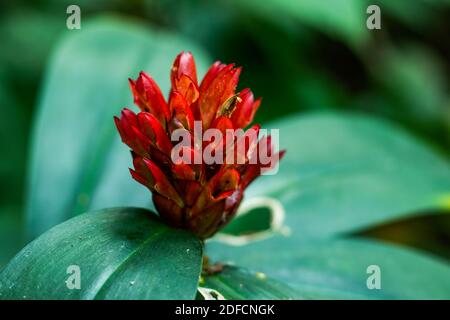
x=87 y=171
x=298 y=55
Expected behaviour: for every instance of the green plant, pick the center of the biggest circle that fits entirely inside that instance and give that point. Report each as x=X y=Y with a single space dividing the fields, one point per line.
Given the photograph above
x=343 y=173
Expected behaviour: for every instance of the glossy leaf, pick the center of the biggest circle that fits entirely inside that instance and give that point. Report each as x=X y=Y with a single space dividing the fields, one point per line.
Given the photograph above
x=78 y=162
x=255 y=221
x=121 y=253
x=345 y=172
x=338 y=269
x=240 y=284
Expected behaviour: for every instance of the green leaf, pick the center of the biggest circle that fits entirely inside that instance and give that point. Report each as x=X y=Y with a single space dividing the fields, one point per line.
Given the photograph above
x=343 y=19
x=417 y=15
x=78 y=162
x=13 y=129
x=11 y=232
x=255 y=221
x=122 y=253
x=415 y=78
x=344 y=173
x=257 y=218
x=240 y=284
x=27 y=27
x=337 y=269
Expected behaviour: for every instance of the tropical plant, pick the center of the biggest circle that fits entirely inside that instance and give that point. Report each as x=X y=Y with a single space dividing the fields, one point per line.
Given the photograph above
x=296 y=230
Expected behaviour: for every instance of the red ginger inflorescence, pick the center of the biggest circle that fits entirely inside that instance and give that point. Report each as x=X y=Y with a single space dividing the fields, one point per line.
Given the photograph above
x=197 y=196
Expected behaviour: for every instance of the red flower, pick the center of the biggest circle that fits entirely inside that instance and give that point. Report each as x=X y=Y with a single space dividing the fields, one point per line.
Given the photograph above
x=197 y=195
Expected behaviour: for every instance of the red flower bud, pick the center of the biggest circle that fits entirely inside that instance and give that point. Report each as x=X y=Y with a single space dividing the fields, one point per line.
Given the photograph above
x=197 y=195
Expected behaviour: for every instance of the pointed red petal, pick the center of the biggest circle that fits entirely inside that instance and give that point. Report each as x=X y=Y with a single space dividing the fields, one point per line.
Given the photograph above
x=224 y=183
x=141 y=144
x=136 y=176
x=153 y=129
x=182 y=116
x=184 y=64
x=148 y=96
x=187 y=88
x=221 y=186
x=130 y=134
x=217 y=92
x=244 y=148
x=119 y=128
x=183 y=172
x=184 y=166
x=256 y=165
x=223 y=124
x=212 y=72
x=162 y=184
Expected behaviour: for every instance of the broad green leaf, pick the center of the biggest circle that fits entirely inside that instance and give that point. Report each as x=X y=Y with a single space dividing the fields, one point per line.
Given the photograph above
x=337 y=269
x=121 y=253
x=345 y=172
x=240 y=284
x=78 y=162
x=255 y=221
x=344 y=19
